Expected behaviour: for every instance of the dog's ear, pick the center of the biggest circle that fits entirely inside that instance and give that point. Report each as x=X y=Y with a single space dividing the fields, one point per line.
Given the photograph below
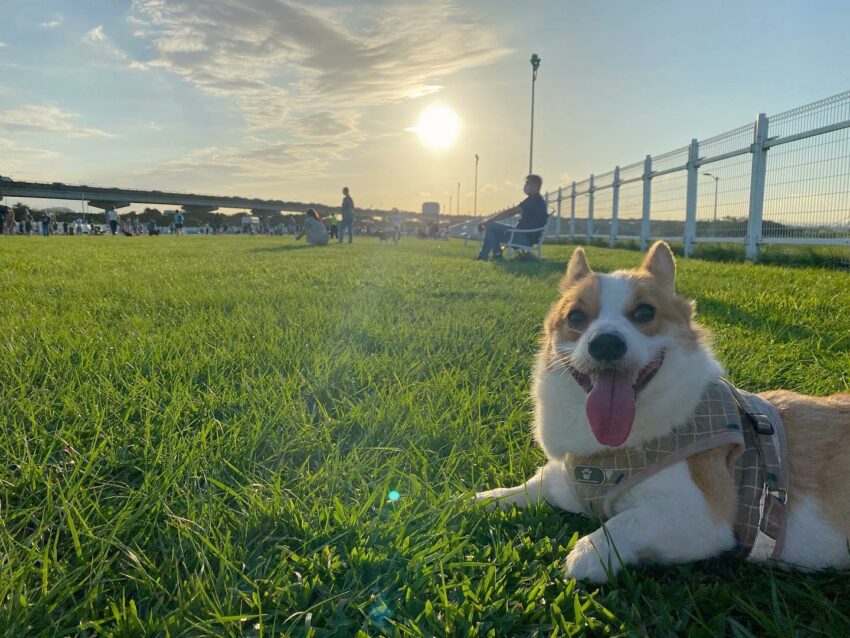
x=577 y=269
x=660 y=263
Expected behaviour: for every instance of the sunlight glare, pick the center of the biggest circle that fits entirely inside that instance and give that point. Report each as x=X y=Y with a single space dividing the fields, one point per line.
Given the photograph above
x=437 y=127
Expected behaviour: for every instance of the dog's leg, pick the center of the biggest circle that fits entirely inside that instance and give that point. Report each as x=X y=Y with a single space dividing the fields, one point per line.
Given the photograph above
x=664 y=519
x=549 y=484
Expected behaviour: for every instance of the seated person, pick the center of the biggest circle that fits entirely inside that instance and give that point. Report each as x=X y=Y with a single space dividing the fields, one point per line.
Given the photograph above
x=317 y=234
x=532 y=212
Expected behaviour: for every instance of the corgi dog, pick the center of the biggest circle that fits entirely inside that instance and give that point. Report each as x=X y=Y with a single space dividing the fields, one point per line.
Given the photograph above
x=624 y=365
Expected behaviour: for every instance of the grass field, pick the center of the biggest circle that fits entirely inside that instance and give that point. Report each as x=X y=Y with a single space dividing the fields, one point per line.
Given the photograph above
x=201 y=436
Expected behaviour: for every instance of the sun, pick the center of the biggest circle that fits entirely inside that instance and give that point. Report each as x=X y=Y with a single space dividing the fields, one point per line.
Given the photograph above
x=437 y=127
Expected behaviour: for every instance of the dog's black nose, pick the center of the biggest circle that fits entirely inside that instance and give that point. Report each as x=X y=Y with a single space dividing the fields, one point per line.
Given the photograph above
x=607 y=346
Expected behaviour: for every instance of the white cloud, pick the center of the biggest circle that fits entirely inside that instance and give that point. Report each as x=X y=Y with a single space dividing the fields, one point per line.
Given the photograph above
x=23 y=162
x=255 y=158
x=45 y=119
x=299 y=75
x=109 y=52
x=53 y=23
x=95 y=35
x=2 y=44
x=305 y=69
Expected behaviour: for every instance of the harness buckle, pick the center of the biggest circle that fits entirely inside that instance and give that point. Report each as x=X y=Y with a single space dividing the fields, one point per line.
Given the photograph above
x=761 y=423
x=780 y=494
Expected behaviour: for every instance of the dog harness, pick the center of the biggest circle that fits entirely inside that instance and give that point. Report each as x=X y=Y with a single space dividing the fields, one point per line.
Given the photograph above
x=725 y=416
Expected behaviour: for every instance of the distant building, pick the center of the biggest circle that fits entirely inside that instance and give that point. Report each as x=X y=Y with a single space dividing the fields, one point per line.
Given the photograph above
x=430 y=212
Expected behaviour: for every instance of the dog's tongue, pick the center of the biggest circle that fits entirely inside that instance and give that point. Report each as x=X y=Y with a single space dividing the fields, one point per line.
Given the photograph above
x=611 y=407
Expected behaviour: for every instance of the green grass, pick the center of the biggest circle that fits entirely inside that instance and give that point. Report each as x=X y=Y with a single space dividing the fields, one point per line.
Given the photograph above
x=200 y=434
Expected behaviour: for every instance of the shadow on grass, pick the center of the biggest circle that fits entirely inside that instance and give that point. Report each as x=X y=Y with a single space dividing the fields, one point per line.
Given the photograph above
x=731 y=314
x=281 y=248
x=724 y=312
x=790 y=256
x=530 y=267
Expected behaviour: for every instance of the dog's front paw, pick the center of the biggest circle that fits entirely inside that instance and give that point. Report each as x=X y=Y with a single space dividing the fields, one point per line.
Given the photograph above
x=589 y=561
x=501 y=497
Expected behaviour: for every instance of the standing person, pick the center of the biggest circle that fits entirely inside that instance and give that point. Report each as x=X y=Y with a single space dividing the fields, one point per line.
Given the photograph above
x=29 y=222
x=9 y=221
x=178 y=223
x=347 y=215
x=78 y=226
x=64 y=228
x=45 y=224
x=532 y=212
x=317 y=234
x=112 y=218
x=397 y=226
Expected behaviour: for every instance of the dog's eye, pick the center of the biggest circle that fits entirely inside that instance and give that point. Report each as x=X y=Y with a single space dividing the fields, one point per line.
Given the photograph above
x=576 y=318
x=643 y=313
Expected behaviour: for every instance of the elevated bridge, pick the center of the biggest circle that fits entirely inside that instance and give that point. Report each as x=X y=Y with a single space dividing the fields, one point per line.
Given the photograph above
x=107 y=197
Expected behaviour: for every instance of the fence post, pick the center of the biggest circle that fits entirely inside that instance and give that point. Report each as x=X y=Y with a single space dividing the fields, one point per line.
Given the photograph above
x=757 y=183
x=590 y=209
x=615 y=205
x=691 y=199
x=647 y=201
x=573 y=212
x=558 y=219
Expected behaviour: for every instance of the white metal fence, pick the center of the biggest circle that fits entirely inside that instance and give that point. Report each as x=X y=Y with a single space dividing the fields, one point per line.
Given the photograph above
x=783 y=179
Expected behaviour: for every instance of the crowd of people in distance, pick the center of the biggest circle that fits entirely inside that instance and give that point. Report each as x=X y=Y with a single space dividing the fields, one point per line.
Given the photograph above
x=532 y=213
x=318 y=233
x=47 y=225
x=129 y=226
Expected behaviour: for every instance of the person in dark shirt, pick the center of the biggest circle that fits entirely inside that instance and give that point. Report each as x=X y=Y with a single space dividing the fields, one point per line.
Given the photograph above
x=347 y=215
x=532 y=212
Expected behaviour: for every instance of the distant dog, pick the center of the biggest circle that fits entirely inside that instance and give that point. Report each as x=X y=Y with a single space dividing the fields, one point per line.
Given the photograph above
x=641 y=430
x=386 y=235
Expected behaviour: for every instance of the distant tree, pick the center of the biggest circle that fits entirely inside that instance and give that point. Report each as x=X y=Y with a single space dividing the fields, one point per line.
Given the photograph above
x=151 y=215
x=21 y=210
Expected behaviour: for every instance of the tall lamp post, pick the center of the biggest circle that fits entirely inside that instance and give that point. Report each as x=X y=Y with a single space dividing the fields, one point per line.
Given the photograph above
x=716 y=180
x=457 y=206
x=475 y=197
x=535 y=64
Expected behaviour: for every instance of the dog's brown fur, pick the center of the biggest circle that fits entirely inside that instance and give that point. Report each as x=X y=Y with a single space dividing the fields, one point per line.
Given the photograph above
x=819 y=450
x=713 y=476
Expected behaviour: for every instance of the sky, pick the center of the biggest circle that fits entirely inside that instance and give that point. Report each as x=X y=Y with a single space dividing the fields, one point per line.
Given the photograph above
x=293 y=100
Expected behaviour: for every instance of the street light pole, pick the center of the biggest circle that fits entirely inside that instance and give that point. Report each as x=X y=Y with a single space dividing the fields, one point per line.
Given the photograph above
x=535 y=64
x=457 y=206
x=475 y=197
x=716 y=180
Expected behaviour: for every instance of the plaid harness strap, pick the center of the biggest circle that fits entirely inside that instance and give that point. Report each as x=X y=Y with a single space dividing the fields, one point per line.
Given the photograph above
x=758 y=451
